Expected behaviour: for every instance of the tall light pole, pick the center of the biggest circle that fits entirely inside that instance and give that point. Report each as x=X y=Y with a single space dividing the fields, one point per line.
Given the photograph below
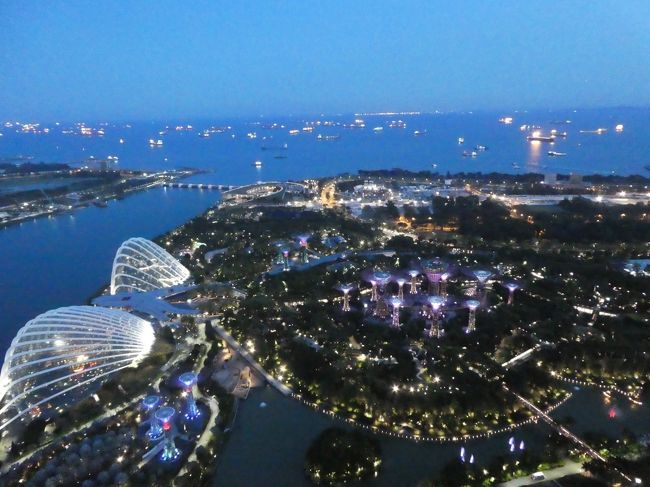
x=395 y=303
x=165 y=415
x=472 y=304
x=512 y=287
x=436 y=302
x=188 y=380
x=413 y=274
x=155 y=429
x=400 y=287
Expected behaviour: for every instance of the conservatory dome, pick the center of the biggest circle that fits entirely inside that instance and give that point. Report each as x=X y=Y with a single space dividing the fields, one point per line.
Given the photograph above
x=64 y=351
x=140 y=265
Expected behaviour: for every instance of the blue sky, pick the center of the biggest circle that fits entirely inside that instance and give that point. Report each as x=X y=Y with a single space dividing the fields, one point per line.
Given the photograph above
x=163 y=59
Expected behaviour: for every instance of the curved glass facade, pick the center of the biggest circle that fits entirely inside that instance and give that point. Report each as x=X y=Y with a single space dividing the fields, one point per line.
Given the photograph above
x=140 y=265
x=66 y=349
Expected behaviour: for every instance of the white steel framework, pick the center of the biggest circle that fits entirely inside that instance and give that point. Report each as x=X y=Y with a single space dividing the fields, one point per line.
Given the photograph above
x=140 y=265
x=64 y=349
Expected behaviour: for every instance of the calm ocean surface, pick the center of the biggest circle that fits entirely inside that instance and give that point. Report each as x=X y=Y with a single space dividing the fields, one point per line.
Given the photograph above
x=61 y=261
x=230 y=159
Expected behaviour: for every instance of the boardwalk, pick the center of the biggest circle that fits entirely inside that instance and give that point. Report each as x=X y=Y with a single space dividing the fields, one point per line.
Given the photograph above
x=236 y=347
x=558 y=427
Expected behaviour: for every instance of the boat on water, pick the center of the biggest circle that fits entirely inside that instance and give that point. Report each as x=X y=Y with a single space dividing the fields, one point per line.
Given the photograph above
x=515 y=165
x=378 y=129
x=461 y=140
x=537 y=136
x=277 y=147
x=251 y=135
x=505 y=120
x=480 y=148
x=553 y=153
x=418 y=133
x=598 y=131
x=155 y=143
x=619 y=128
x=470 y=154
x=294 y=132
x=257 y=163
x=327 y=137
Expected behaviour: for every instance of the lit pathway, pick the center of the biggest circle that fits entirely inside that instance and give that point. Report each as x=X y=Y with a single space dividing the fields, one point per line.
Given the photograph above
x=565 y=432
x=251 y=361
x=570 y=468
x=558 y=427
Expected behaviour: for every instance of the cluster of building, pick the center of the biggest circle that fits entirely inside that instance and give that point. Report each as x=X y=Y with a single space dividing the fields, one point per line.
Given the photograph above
x=372 y=193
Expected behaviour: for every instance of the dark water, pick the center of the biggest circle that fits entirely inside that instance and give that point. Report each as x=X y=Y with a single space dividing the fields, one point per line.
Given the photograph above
x=231 y=159
x=275 y=440
x=60 y=261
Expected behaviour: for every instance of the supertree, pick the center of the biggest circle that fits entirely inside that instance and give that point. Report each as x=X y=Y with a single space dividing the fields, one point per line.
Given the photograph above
x=149 y=404
x=472 y=304
x=482 y=277
x=512 y=287
x=279 y=257
x=378 y=279
x=346 y=289
x=188 y=380
x=434 y=269
x=436 y=302
x=396 y=303
x=443 y=283
x=303 y=242
x=285 y=258
x=413 y=274
x=400 y=287
x=165 y=415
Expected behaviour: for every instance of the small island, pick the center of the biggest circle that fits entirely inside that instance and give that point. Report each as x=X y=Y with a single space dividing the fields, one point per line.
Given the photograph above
x=338 y=456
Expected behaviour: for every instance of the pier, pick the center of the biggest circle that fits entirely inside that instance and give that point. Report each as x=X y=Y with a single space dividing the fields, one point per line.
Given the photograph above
x=220 y=187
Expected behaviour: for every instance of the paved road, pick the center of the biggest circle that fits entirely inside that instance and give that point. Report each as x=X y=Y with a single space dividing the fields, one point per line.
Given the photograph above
x=570 y=468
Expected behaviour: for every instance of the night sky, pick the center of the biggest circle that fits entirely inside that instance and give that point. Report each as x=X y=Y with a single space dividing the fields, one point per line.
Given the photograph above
x=119 y=60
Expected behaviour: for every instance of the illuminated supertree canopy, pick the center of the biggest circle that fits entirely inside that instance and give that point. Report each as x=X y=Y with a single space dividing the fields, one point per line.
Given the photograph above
x=434 y=269
x=378 y=278
x=150 y=402
x=165 y=415
x=436 y=302
x=482 y=275
x=65 y=349
x=188 y=380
